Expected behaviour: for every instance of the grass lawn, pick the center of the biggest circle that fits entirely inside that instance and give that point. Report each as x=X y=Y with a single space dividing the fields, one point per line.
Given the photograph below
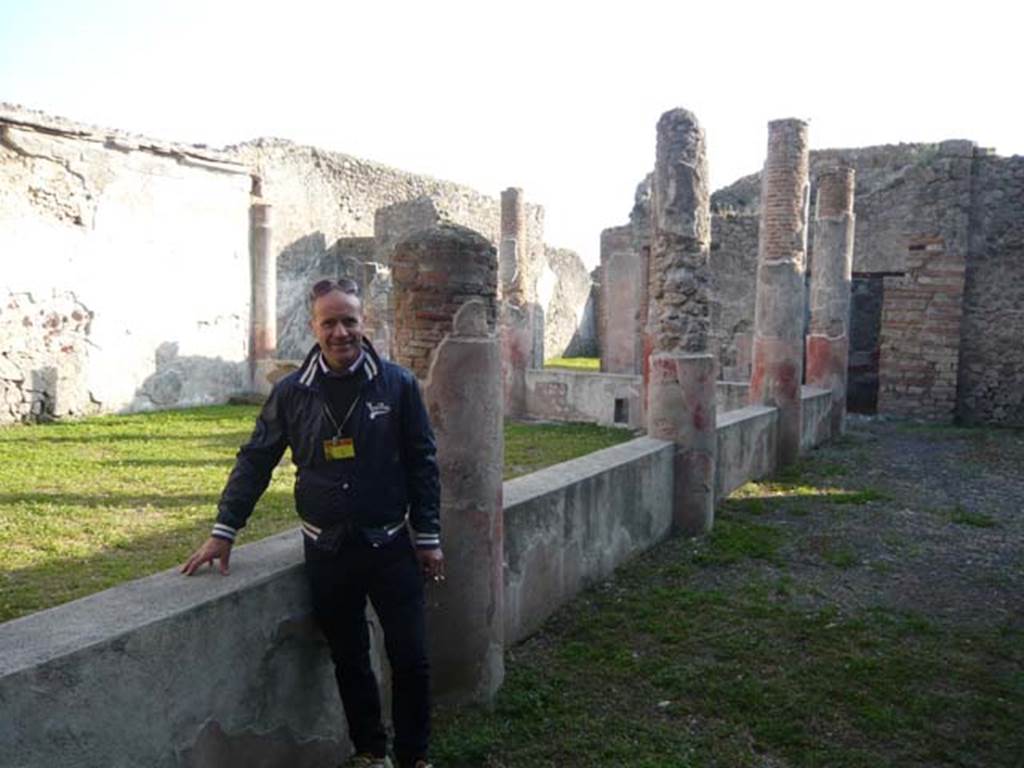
x=589 y=364
x=89 y=504
x=725 y=652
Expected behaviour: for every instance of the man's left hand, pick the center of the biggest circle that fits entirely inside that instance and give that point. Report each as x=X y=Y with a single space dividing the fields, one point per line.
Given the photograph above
x=431 y=564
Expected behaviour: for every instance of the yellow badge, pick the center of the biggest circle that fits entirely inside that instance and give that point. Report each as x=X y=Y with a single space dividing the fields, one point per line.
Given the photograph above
x=337 y=449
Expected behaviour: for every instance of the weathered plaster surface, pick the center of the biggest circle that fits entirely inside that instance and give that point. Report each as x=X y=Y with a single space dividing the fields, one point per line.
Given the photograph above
x=582 y=396
x=117 y=250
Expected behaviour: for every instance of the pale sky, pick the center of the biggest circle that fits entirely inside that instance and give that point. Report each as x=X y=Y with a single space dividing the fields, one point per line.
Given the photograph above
x=560 y=99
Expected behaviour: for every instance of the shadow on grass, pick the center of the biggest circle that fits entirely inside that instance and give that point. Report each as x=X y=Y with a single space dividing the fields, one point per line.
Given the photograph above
x=61 y=577
x=224 y=438
x=221 y=462
x=126 y=501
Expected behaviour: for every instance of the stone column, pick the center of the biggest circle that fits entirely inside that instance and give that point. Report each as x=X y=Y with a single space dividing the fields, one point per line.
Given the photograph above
x=828 y=340
x=681 y=375
x=263 y=315
x=779 y=307
x=621 y=285
x=445 y=299
x=517 y=332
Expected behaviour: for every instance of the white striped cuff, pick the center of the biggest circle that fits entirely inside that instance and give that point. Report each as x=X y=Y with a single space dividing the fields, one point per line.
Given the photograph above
x=226 y=532
x=428 y=540
x=310 y=531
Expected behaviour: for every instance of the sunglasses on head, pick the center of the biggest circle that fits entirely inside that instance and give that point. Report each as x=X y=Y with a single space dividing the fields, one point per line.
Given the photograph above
x=323 y=287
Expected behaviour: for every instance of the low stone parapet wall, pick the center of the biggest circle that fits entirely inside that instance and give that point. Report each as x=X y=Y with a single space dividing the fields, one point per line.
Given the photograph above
x=207 y=672
x=731 y=395
x=570 y=525
x=746 y=446
x=610 y=399
x=815 y=425
x=213 y=672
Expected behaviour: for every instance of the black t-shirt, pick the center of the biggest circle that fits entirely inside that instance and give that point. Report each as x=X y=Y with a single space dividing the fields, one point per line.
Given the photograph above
x=340 y=391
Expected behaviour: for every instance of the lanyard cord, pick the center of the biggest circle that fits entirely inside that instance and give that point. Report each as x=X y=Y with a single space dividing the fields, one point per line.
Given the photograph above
x=348 y=415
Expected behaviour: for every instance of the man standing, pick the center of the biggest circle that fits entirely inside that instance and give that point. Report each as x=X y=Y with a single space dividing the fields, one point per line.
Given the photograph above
x=366 y=474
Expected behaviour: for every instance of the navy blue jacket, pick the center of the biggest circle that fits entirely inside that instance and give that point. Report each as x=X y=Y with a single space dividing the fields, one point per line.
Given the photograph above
x=394 y=471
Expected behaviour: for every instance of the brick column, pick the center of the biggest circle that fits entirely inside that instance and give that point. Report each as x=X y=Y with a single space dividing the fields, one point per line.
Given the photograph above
x=445 y=294
x=263 y=313
x=517 y=332
x=779 y=307
x=828 y=340
x=681 y=375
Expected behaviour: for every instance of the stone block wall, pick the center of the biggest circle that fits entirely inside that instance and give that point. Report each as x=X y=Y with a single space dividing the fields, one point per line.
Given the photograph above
x=991 y=384
x=126 y=275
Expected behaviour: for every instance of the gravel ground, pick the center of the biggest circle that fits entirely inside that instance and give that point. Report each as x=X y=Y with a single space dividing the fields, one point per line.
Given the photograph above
x=944 y=538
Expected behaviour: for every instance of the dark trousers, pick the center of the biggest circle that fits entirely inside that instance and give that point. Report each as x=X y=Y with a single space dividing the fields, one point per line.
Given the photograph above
x=390 y=576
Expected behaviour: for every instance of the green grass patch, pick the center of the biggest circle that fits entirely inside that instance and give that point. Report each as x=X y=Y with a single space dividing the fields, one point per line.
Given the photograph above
x=733 y=539
x=590 y=364
x=653 y=669
x=961 y=516
x=86 y=505
x=529 y=447
x=747 y=495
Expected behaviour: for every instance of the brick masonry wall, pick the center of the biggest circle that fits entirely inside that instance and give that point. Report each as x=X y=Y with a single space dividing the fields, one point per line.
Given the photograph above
x=435 y=272
x=903 y=191
x=991 y=385
x=908 y=194
x=920 y=333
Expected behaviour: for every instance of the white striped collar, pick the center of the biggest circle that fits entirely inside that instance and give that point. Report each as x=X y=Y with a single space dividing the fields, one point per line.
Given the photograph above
x=366 y=359
x=348 y=371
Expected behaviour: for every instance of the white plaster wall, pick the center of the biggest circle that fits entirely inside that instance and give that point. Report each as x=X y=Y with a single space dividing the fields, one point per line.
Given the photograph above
x=160 y=258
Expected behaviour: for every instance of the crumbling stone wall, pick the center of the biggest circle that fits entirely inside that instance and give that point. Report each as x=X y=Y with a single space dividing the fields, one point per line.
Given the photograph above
x=44 y=354
x=905 y=195
x=563 y=293
x=903 y=191
x=324 y=201
x=991 y=385
x=117 y=251
x=734 y=274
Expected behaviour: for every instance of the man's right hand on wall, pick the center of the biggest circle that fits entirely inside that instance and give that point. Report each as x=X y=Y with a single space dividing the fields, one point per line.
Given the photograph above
x=212 y=549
